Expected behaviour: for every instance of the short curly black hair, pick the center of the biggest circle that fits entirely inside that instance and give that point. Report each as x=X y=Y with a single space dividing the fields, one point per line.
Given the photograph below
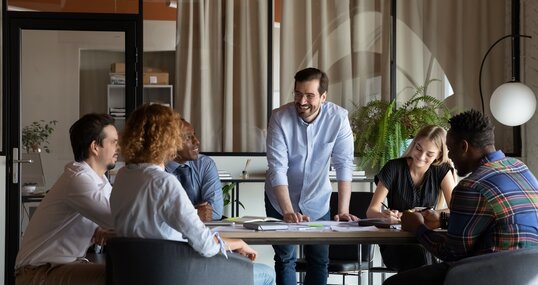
x=473 y=126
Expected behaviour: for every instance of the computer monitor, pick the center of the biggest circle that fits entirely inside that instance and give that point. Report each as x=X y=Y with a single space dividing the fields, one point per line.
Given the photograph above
x=32 y=173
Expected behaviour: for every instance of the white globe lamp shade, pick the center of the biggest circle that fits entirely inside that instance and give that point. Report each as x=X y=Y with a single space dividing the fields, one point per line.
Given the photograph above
x=513 y=104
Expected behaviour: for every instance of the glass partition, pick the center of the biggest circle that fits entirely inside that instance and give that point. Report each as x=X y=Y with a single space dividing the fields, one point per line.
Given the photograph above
x=443 y=42
x=75 y=6
x=349 y=40
x=64 y=74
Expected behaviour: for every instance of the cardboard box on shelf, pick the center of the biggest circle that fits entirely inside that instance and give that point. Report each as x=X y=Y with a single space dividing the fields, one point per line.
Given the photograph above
x=160 y=78
x=117 y=67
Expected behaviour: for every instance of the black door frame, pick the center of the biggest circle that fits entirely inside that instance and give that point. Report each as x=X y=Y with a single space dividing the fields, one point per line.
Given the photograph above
x=13 y=24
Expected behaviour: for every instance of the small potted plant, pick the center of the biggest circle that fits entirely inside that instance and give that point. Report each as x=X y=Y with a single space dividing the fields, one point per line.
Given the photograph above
x=35 y=136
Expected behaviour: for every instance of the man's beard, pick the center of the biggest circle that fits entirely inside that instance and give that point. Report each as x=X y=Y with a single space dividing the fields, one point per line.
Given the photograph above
x=110 y=166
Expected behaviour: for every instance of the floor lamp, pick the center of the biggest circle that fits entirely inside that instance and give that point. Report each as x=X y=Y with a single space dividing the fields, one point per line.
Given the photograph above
x=512 y=103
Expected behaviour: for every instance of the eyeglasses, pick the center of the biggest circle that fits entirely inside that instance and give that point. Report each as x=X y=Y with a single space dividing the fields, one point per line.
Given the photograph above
x=299 y=95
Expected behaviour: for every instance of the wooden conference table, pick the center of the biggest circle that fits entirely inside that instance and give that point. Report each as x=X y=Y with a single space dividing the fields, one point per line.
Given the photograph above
x=379 y=236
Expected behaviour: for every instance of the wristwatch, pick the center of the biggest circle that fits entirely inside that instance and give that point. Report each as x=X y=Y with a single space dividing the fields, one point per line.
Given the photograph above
x=443 y=219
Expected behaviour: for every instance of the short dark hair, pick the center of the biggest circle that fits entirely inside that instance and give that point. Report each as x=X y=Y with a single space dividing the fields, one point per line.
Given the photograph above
x=85 y=130
x=473 y=126
x=311 y=73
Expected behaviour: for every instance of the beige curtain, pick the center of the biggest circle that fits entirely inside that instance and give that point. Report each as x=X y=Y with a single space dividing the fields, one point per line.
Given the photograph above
x=221 y=72
x=347 y=39
x=438 y=38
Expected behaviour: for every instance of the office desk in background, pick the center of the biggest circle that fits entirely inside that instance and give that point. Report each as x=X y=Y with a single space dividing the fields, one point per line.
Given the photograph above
x=261 y=179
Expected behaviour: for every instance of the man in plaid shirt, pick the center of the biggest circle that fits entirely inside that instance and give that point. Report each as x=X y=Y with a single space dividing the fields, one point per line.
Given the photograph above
x=494 y=208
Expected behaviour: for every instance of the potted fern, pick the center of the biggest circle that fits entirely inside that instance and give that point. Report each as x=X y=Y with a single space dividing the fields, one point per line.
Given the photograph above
x=381 y=128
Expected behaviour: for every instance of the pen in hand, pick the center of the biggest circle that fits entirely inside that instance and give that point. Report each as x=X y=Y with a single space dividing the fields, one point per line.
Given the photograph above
x=392 y=214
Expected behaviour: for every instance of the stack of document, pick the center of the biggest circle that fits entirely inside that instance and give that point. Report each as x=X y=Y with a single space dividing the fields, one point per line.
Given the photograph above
x=250 y=219
x=260 y=223
x=224 y=175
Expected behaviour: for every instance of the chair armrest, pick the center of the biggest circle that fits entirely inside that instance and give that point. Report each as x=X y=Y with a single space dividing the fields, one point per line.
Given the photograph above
x=515 y=267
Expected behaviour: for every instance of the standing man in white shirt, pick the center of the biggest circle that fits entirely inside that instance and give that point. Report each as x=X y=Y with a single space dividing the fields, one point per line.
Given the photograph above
x=67 y=220
x=303 y=138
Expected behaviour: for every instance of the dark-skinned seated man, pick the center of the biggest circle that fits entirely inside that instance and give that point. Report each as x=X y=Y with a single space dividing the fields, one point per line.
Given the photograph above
x=494 y=208
x=198 y=175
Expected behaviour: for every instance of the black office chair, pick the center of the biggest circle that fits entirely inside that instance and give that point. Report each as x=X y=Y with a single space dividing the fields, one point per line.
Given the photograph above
x=515 y=267
x=344 y=259
x=138 y=261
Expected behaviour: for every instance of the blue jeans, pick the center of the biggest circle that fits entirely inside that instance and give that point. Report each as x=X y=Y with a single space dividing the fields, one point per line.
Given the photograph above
x=263 y=274
x=317 y=257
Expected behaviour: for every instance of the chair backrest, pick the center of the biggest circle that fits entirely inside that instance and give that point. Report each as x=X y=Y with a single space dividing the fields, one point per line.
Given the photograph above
x=357 y=206
x=514 y=267
x=164 y=262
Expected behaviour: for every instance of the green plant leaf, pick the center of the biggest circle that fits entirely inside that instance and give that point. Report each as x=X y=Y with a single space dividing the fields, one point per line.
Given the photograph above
x=381 y=128
x=36 y=135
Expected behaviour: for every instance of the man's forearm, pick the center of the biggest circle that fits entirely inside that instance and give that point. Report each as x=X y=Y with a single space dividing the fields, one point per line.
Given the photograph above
x=344 y=196
x=283 y=197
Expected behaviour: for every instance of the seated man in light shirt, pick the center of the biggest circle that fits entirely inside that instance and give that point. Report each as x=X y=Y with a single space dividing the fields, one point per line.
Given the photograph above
x=198 y=175
x=66 y=222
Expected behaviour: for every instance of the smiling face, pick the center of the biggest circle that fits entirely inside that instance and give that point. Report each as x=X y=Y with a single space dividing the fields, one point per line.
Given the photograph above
x=308 y=100
x=424 y=152
x=191 y=144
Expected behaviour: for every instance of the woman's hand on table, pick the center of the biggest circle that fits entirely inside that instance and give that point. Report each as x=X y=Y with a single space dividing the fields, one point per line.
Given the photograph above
x=392 y=214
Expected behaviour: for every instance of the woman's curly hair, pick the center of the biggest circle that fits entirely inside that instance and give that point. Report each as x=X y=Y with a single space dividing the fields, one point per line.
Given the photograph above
x=152 y=135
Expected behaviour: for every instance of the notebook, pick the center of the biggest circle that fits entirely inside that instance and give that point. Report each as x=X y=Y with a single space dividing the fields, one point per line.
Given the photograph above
x=250 y=219
x=265 y=226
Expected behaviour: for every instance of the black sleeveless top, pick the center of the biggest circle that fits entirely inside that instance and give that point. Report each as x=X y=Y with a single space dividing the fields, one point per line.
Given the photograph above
x=403 y=194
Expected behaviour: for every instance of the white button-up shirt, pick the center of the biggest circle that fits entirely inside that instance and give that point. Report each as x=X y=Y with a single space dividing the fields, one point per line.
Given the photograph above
x=61 y=228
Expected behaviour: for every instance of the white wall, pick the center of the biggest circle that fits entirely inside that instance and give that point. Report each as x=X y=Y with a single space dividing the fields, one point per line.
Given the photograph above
x=159 y=35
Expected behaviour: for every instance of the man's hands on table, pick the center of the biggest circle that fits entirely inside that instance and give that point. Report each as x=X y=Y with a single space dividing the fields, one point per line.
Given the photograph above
x=412 y=220
x=295 y=218
x=345 y=217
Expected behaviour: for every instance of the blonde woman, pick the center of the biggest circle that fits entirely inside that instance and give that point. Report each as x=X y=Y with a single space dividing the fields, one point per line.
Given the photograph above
x=148 y=202
x=422 y=177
